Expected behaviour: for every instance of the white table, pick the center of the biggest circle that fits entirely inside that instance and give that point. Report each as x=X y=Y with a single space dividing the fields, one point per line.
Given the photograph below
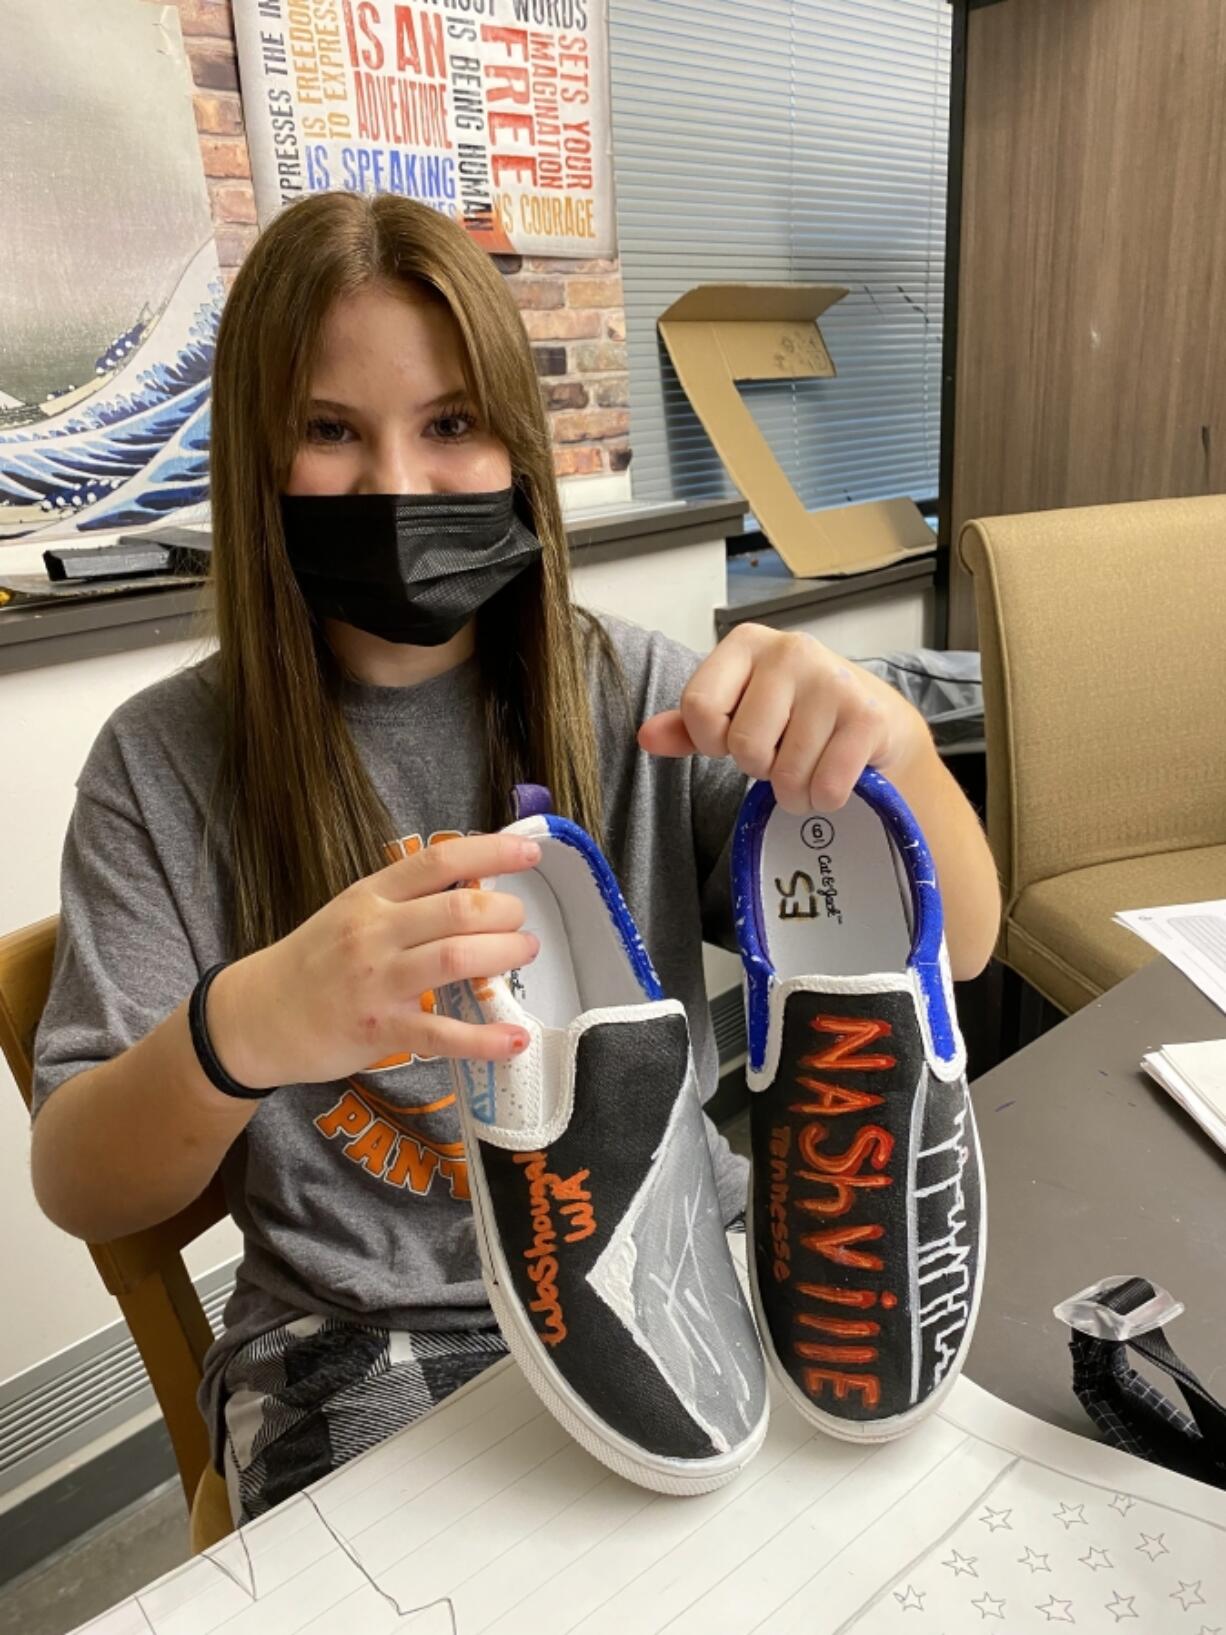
x=485 y=1519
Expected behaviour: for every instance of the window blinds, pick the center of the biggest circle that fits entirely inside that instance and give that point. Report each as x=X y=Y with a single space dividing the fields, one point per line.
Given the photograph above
x=788 y=141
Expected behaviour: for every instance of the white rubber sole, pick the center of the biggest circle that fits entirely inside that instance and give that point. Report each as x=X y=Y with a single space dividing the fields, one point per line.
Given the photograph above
x=881 y=1430
x=682 y=1478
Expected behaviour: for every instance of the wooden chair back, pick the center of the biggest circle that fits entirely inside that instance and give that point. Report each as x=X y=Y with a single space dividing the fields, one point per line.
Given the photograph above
x=144 y=1271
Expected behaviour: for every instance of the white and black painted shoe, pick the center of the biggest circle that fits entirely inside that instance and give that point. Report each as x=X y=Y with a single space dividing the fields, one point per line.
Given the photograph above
x=866 y=1220
x=598 y=1222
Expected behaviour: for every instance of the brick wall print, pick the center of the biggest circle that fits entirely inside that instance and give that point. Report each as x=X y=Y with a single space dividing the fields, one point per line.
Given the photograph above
x=573 y=310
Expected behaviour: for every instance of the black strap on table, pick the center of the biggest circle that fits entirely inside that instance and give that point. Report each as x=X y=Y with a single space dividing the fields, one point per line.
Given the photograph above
x=1134 y=1415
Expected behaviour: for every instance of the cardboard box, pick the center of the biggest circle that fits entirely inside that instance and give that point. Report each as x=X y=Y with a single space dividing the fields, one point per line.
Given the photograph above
x=719 y=334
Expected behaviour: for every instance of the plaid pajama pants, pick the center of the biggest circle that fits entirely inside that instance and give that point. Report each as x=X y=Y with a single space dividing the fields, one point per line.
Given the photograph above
x=313 y=1394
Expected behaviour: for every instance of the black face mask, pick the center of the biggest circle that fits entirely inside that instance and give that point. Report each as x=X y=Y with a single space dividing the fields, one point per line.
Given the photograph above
x=407 y=567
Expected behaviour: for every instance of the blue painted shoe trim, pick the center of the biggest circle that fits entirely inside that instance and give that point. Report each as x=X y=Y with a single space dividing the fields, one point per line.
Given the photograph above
x=755 y=813
x=571 y=834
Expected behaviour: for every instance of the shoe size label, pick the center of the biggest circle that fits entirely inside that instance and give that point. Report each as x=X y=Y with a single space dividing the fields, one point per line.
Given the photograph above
x=809 y=894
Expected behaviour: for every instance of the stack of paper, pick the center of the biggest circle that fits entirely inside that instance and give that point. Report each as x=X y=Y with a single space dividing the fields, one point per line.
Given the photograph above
x=1192 y=936
x=484 y=1518
x=1196 y=1076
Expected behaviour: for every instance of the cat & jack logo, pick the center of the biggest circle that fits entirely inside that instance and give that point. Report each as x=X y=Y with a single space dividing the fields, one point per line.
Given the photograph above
x=812 y=894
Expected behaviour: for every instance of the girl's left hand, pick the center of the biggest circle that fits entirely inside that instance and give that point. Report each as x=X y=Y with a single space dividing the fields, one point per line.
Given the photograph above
x=788 y=709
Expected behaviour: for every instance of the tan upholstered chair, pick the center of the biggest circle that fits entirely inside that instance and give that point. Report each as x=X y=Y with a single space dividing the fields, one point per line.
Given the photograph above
x=145 y=1272
x=1104 y=669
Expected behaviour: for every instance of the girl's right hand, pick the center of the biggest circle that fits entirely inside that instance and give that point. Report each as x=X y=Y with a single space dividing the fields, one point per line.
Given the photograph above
x=344 y=990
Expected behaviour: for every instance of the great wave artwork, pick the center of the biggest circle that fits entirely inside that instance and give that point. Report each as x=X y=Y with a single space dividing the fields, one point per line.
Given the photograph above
x=110 y=293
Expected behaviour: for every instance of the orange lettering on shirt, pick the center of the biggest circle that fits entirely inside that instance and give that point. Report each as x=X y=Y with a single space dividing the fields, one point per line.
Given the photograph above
x=413 y=1166
x=374 y=1148
x=405 y=1056
x=455 y=1172
x=349 y=1117
x=382 y=1145
x=406 y=1119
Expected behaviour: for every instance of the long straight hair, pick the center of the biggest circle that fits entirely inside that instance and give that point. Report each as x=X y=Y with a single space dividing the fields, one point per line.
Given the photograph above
x=302 y=817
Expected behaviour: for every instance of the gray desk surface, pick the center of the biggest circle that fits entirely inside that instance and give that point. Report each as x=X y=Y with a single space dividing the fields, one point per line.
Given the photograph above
x=760 y=585
x=1093 y=1170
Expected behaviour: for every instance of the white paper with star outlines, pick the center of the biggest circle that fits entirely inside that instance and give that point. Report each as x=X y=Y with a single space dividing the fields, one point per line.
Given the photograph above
x=484 y=1518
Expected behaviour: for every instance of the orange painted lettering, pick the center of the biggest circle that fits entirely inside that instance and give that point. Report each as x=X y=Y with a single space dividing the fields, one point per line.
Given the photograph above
x=847 y=1328
x=835 y=1353
x=574 y=1203
x=832 y=1099
x=843 y=1385
x=843 y=1195
x=862 y=1298
x=780 y=1144
x=852 y=1033
x=835 y=1245
x=841 y=1178
x=871 y=1143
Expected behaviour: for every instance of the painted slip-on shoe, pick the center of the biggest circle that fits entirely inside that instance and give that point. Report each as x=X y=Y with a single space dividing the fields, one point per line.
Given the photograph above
x=866 y=1222
x=598 y=1222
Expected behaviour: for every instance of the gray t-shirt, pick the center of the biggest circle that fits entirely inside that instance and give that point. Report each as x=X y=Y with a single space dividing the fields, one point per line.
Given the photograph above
x=352 y=1197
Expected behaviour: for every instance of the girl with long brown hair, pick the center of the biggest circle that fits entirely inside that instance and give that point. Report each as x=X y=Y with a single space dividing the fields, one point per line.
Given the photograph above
x=397 y=649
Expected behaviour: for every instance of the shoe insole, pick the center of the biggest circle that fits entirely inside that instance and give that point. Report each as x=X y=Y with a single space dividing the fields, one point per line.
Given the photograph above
x=549 y=986
x=833 y=900
x=583 y=962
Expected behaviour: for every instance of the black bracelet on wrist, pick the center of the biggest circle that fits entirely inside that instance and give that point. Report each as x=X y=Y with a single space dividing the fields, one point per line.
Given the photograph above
x=203 y=1045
